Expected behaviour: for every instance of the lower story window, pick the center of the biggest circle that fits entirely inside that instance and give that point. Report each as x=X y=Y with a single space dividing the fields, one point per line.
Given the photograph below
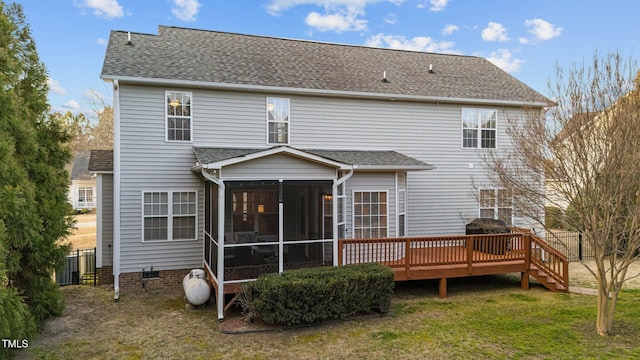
x=85 y=194
x=369 y=214
x=169 y=215
x=497 y=204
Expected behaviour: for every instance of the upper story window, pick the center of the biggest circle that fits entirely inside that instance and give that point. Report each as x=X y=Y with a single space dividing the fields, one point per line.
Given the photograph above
x=277 y=121
x=479 y=127
x=178 y=116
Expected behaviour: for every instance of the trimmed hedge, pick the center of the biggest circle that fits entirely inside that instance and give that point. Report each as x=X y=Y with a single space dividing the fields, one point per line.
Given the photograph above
x=306 y=296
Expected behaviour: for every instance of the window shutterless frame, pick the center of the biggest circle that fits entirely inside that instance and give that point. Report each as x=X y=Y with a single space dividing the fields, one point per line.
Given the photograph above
x=479 y=128
x=370 y=213
x=278 y=121
x=178 y=116
x=169 y=215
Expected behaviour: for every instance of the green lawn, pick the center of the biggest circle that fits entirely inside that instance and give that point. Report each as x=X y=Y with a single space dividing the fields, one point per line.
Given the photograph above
x=486 y=317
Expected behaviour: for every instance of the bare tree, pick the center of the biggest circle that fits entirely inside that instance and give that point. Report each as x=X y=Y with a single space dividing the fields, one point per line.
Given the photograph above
x=102 y=130
x=590 y=143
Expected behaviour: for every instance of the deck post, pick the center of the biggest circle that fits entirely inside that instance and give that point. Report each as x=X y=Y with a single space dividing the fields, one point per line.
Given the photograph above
x=407 y=258
x=442 y=288
x=470 y=241
x=340 y=255
x=524 y=280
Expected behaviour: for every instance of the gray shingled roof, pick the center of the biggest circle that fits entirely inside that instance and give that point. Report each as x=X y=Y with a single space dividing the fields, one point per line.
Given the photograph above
x=79 y=170
x=210 y=57
x=101 y=161
x=373 y=159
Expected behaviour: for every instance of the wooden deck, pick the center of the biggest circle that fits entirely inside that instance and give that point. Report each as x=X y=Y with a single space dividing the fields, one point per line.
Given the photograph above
x=462 y=256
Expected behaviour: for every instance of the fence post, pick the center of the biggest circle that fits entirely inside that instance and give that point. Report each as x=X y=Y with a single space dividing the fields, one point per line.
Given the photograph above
x=95 y=270
x=78 y=268
x=580 y=246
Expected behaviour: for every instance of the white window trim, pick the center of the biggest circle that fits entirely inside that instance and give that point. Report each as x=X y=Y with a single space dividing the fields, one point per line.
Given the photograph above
x=266 y=116
x=495 y=204
x=169 y=215
x=478 y=129
x=353 y=209
x=85 y=188
x=400 y=212
x=166 y=118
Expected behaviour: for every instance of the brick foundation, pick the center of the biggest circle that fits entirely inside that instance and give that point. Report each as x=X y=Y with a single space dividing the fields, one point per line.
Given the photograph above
x=105 y=275
x=166 y=280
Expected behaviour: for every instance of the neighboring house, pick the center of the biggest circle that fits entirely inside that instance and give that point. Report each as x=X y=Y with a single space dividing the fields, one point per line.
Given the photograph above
x=249 y=154
x=82 y=189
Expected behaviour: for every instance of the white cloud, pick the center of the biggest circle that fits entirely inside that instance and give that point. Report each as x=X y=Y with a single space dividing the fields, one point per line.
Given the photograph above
x=495 y=32
x=420 y=43
x=542 y=30
x=450 y=29
x=185 y=10
x=55 y=87
x=438 y=5
x=505 y=60
x=275 y=7
x=335 y=22
x=391 y=18
x=101 y=41
x=108 y=9
x=71 y=105
x=523 y=40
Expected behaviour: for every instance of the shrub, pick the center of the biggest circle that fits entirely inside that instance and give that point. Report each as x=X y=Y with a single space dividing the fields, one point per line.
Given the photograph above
x=16 y=322
x=553 y=217
x=310 y=295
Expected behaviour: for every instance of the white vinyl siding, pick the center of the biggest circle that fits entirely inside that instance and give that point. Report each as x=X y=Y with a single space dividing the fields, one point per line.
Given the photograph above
x=439 y=202
x=178 y=117
x=105 y=215
x=277 y=121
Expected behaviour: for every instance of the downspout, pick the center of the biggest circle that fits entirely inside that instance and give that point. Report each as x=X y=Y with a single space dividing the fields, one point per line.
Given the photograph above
x=116 y=190
x=334 y=209
x=220 y=272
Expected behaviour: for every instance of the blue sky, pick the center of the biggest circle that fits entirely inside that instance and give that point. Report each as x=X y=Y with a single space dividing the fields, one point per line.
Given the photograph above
x=525 y=38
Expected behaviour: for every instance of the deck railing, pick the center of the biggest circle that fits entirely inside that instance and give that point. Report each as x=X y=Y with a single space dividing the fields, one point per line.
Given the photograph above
x=549 y=260
x=411 y=252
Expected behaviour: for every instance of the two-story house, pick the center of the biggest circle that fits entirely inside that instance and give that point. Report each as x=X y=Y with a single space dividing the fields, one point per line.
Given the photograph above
x=249 y=154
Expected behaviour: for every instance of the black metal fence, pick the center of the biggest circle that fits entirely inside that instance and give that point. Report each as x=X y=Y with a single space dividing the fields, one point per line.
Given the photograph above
x=79 y=268
x=571 y=244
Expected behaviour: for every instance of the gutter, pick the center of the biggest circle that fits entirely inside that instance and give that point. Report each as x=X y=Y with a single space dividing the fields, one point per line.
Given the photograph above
x=220 y=270
x=116 y=190
x=334 y=209
x=317 y=92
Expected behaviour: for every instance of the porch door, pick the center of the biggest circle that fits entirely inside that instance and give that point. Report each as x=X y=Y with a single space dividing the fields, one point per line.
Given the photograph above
x=307 y=243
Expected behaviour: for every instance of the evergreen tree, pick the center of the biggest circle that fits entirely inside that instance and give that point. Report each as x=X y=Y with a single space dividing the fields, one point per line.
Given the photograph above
x=33 y=182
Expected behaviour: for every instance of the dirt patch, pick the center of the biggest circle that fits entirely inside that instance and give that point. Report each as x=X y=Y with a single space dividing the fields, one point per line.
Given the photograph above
x=579 y=275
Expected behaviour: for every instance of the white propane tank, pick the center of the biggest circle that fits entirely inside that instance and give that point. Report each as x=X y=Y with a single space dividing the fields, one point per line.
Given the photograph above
x=196 y=287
